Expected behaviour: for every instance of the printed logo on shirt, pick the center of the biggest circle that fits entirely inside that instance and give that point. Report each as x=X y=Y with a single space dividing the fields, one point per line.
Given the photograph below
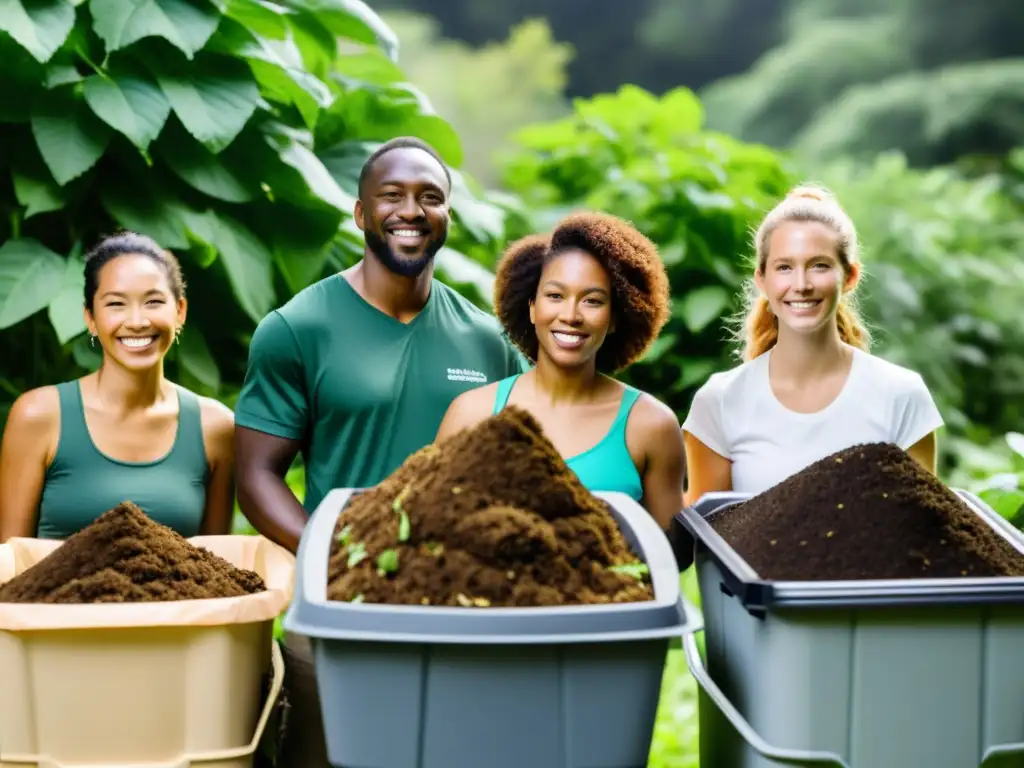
x=466 y=374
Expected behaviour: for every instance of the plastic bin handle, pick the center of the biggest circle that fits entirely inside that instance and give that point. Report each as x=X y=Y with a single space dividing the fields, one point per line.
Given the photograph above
x=700 y=674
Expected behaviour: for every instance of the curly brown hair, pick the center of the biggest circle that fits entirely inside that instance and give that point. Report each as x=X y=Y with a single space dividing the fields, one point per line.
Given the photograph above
x=640 y=289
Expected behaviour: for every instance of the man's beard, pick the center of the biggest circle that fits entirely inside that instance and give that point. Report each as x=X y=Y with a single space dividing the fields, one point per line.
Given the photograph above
x=399 y=266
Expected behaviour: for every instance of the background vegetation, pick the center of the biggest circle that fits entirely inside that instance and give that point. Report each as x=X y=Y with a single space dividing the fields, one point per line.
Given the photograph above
x=232 y=131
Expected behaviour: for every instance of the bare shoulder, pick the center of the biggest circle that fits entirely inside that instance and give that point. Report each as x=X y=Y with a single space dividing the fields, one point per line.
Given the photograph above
x=217 y=419
x=653 y=418
x=36 y=409
x=477 y=398
x=467 y=409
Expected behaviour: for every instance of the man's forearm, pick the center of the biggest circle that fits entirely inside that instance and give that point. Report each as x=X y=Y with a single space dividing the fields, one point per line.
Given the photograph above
x=271 y=507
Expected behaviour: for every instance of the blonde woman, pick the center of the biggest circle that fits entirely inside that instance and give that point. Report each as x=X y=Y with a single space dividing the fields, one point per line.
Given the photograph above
x=809 y=385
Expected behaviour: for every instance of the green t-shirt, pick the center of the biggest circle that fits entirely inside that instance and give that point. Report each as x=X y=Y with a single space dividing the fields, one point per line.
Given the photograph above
x=360 y=389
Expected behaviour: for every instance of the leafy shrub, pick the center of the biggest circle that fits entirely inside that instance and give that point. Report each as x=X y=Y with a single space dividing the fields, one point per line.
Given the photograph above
x=695 y=193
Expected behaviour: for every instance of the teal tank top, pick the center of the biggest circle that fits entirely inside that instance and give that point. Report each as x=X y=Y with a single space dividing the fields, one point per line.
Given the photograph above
x=607 y=466
x=82 y=483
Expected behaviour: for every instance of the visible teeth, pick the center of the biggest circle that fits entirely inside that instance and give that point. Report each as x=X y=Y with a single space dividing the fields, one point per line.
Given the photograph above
x=569 y=338
x=802 y=304
x=406 y=232
x=137 y=341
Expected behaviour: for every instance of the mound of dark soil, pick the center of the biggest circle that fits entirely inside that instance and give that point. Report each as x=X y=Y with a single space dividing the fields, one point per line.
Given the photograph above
x=125 y=557
x=490 y=517
x=867 y=512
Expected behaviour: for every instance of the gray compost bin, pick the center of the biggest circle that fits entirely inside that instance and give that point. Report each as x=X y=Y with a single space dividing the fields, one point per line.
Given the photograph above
x=439 y=687
x=922 y=673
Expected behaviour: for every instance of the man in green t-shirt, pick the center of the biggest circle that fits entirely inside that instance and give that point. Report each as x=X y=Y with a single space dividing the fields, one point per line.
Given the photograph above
x=356 y=371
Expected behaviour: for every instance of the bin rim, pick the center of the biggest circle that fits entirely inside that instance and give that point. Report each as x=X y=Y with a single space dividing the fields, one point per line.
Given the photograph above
x=313 y=615
x=758 y=595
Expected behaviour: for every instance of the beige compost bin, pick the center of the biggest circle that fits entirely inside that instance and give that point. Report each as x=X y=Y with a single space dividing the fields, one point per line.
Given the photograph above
x=164 y=685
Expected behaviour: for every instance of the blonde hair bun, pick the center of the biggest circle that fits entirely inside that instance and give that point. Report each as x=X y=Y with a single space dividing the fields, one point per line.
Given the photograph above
x=811 y=192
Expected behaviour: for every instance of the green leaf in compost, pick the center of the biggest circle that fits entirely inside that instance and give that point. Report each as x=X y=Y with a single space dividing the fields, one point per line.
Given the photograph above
x=130 y=103
x=185 y=24
x=39 y=26
x=344 y=535
x=636 y=570
x=70 y=137
x=404 y=526
x=65 y=309
x=387 y=561
x=213 y=96
x=30 y=275
x=356 y=554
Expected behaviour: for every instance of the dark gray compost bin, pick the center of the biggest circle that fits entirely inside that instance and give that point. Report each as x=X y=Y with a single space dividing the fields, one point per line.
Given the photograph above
x=438 y=687
x=922 y=673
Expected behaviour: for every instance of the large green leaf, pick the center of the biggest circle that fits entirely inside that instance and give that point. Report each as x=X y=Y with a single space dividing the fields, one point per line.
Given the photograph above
x=195 y=357
x=129 y=102
x=65 y=309
x=702 y=305
x=39 y=26
x=69 y=136
x=312 y=170
x=278 y=67
x=30 y=275
x=36 y=190
x=247 y=261
x=459 y=268
x=144 y=205
x=186 y=24
x=213 y=96
x=200 y=168
x=352 y=19
x=264 y=18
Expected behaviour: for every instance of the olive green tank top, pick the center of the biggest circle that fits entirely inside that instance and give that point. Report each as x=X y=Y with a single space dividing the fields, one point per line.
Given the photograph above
x=82 y=483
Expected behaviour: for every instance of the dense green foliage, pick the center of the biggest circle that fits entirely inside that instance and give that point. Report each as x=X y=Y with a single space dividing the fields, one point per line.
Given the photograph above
x=230 y=131
x=693 y=192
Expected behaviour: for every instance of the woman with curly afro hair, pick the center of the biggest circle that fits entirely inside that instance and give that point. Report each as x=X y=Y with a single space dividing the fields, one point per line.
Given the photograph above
x=582 y=303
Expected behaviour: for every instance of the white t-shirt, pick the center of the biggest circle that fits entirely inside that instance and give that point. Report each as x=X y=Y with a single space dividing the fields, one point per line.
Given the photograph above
x=737 y=415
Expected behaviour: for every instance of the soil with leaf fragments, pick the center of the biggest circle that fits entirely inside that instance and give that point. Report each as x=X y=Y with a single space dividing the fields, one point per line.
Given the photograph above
x=491 y=516
x=125 y=557
x=867 y=512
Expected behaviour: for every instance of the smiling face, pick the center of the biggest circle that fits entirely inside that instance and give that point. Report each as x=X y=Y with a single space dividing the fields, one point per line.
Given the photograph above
x=404 y=211
x=572 y=310
x=134 y=312
x=803 y=277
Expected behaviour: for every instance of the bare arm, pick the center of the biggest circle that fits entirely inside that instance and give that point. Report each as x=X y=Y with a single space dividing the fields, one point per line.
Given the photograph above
x=664 y=462
x=925 y=451
x=29 y=442
x=219 y=439
x=707 y=471
x=264 y=496
x=467 y=410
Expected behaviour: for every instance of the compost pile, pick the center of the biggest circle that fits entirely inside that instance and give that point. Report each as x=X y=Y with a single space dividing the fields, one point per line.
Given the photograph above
x=492 y=516
x=867 y=512
x=125 y=557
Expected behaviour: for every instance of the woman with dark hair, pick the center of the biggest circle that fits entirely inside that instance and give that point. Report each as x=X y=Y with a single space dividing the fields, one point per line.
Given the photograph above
x=74 y=450
x=583 y=303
